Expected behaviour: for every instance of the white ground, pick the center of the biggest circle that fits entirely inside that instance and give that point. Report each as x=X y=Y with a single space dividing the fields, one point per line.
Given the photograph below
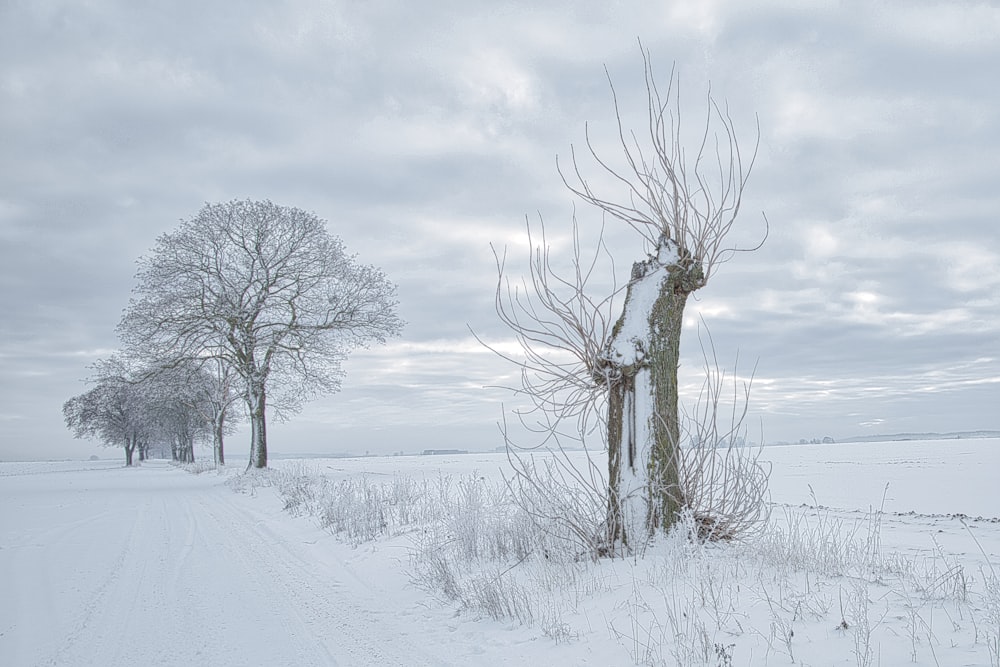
x=103 y=565
x=108 y=566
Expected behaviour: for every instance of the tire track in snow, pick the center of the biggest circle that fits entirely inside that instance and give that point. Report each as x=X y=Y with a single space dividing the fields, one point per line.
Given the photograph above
x=318 y=605
x=97 y=606
x=289 y=611
x=179 y=570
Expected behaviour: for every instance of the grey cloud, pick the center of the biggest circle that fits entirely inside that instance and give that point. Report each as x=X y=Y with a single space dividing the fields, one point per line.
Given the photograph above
x=424 y=132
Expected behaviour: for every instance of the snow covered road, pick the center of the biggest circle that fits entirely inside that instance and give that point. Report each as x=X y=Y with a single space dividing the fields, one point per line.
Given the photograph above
x=155 y=566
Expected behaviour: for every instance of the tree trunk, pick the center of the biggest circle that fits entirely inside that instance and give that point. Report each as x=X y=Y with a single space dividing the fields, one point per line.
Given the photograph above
x=644 y=493
x=129 y=449
x=666 y=321
x=258 y=426
x=218 y=427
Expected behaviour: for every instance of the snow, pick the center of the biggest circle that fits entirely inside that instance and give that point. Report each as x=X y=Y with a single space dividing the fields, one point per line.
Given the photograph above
x=632 y=339
x=637 y=424
x=932 y=476
x=155 y=566
x=105 y=565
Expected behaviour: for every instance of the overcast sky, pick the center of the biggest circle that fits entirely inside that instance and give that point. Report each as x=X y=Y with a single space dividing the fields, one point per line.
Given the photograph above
x=425 y=131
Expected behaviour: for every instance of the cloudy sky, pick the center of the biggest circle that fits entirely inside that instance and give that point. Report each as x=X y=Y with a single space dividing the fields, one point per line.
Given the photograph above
x=424 y=132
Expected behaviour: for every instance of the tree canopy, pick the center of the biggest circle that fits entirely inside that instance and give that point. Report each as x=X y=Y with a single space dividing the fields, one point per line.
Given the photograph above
x=265 y=290
x=115 y=411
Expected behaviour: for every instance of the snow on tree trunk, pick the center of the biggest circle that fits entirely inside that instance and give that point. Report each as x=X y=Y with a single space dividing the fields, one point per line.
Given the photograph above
x=643 y=421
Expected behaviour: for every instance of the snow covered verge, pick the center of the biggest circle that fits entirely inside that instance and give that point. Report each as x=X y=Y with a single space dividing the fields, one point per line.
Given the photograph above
x=431 y=561
x=847 y=571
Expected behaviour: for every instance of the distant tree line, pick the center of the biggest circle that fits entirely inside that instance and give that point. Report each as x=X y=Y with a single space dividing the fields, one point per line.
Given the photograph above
x=140 y=407
x=247 y=304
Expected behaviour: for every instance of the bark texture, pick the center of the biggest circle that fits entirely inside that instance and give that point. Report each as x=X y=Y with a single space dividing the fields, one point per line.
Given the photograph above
x=218 y=434
x=258 y=426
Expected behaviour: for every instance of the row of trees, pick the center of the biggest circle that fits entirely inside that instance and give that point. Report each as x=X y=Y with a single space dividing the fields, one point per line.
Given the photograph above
x=247 y=303
x=139 y=408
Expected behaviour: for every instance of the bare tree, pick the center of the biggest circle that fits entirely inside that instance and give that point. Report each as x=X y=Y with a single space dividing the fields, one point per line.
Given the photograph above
x=180 y=423
x=723 y=483
x=266 y=291
x=196 y=397
x=576 y=364
x=215 y=397
x=115 y=411
x=180 y=397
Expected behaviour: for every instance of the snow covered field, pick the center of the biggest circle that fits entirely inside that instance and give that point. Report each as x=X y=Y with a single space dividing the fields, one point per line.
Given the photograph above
x=104 y=565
